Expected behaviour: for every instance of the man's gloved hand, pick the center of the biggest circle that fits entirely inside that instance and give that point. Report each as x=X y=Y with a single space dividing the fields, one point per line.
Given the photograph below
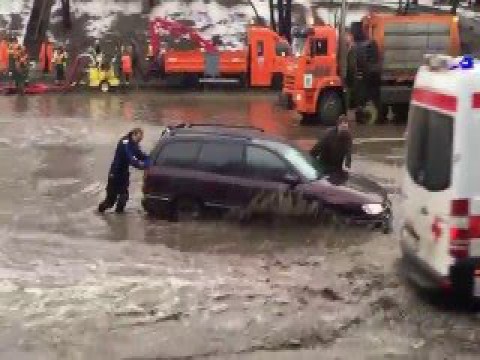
x=147 y=163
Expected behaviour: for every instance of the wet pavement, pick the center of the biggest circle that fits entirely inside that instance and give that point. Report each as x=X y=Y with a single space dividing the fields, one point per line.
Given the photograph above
x=76 y=285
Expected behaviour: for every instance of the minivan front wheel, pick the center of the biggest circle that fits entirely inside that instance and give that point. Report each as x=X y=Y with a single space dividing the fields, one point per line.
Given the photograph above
x=186 y=208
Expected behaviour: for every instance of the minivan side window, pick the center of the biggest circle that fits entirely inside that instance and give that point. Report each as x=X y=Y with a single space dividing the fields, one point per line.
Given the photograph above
x=221 y=158
x=430 y=148
x=264 y=164
x=178 y=154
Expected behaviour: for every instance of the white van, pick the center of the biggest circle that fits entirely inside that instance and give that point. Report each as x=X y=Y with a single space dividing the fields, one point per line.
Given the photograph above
x=440 y=233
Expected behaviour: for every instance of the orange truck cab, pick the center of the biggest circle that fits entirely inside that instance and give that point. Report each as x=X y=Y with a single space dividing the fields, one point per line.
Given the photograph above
x=381 y=63
x=261 y=64
x=311 y=82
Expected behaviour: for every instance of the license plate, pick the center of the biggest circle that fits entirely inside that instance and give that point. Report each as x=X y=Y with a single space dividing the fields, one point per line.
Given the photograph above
x=474 y=248
x=476 y=286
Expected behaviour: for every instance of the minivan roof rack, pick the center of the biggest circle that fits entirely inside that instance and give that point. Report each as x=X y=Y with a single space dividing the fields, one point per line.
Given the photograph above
x=186 y=125
x=226 y=126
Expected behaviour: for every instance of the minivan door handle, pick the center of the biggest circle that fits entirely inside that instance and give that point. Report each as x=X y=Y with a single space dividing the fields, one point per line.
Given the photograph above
x=424 y=210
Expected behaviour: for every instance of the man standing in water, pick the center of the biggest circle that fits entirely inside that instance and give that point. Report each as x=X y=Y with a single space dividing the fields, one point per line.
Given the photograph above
x=128 y=153
x=334 y=150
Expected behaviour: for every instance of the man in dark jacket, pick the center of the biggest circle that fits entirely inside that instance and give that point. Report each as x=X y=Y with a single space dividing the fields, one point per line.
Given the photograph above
x=335 y=148
x=128 y=153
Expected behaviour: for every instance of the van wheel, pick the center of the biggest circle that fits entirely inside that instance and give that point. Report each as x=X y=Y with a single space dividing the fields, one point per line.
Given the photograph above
x=277 y=82
x=186 y=208
x=330 y=108
x=105 y=86
x=400 y=113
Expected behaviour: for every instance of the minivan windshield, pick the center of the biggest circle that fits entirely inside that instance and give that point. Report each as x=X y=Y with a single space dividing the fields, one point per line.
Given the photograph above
x=302 y=162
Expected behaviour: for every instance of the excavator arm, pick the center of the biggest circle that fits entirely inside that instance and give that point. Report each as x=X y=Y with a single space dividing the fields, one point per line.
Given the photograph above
x=176 y=29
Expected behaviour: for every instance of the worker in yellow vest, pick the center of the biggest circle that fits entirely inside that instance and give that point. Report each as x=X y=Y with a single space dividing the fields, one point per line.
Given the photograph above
x=60 y=62
x=150 y=54
x=21 y=69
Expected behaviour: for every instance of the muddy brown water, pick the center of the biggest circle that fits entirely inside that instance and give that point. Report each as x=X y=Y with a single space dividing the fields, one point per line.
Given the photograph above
x=76 y=285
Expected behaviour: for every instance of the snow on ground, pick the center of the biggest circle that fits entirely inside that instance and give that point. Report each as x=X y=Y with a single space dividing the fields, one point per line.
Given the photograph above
x=223 y=19
x=12 y=11
x=102 y=14
x=212 y=19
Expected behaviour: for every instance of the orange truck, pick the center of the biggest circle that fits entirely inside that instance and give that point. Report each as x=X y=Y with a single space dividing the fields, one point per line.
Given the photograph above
x=260 y=64
x=380 y=65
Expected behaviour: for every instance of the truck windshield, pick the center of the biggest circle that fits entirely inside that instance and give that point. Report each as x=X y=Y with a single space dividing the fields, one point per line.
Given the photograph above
x=298 y=45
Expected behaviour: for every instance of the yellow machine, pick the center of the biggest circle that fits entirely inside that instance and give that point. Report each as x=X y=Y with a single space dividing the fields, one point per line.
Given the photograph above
x=102 y=78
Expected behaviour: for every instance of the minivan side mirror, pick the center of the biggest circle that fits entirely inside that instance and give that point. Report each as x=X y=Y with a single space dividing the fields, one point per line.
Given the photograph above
x=291 y=179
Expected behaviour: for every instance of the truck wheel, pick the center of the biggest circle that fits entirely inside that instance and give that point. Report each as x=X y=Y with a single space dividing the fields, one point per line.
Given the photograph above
x=277 y=82
x=186 y=208
x=330 y=108
x=308 y=119
x=105 y=86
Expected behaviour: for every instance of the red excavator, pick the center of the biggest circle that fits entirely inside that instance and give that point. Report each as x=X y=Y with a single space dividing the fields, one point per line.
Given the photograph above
x=260 y=64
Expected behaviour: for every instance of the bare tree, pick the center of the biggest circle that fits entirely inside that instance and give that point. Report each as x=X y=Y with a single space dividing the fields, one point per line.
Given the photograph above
x=273 y=23
x=257 y=16
x=288 y=20
x=454 y=6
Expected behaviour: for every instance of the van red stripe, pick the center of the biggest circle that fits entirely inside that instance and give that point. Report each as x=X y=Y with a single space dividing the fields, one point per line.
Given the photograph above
x=437 y=100
x=476 y=101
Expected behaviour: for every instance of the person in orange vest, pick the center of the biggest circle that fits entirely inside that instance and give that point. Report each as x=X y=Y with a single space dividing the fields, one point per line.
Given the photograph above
x=127 y=69
x=46 y=57
x=13 y=53
x=3 y=55
x=60 y=61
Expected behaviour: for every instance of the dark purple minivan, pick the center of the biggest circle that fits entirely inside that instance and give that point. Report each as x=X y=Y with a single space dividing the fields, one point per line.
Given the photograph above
x=201 y=167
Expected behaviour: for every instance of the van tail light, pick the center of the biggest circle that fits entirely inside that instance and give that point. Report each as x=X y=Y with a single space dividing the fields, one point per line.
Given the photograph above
x=463 y=228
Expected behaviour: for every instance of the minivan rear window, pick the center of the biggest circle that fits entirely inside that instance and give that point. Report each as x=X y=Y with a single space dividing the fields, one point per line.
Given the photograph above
x=430 y=148
x=179 y=154
x=221 y=158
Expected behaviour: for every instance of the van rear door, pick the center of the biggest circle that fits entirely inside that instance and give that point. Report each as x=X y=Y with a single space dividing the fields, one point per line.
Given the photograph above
x=428 y=184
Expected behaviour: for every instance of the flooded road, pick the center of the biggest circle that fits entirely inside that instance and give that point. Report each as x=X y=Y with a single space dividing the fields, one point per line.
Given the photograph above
x=76 y=285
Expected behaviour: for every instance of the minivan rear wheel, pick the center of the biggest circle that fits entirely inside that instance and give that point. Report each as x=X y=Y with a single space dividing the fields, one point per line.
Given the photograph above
x=187 y=208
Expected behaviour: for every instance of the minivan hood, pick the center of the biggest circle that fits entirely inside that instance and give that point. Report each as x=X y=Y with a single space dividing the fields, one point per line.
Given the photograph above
x=347 y=188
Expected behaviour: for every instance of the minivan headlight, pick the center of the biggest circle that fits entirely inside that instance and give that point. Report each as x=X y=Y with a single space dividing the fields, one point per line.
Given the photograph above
x=372 y=209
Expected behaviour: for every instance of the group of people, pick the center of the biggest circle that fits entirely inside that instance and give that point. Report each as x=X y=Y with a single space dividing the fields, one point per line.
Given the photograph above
x=122 y=61
x=53 y=59
x=333 y=152
x=14 y=62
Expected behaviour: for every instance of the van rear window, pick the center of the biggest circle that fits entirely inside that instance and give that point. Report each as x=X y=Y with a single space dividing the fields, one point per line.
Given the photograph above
x=430 y=148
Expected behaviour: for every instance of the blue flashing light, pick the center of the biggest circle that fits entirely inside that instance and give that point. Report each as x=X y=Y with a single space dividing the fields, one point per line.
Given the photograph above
x=467 y=62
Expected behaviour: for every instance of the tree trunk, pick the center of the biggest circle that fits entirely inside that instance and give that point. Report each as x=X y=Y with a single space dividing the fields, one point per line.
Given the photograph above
x=455 y=3
x=67 y=20
x=257 y=16
x=288 y=21
x=37 y=26
x=273 y=24
x=281 y=18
